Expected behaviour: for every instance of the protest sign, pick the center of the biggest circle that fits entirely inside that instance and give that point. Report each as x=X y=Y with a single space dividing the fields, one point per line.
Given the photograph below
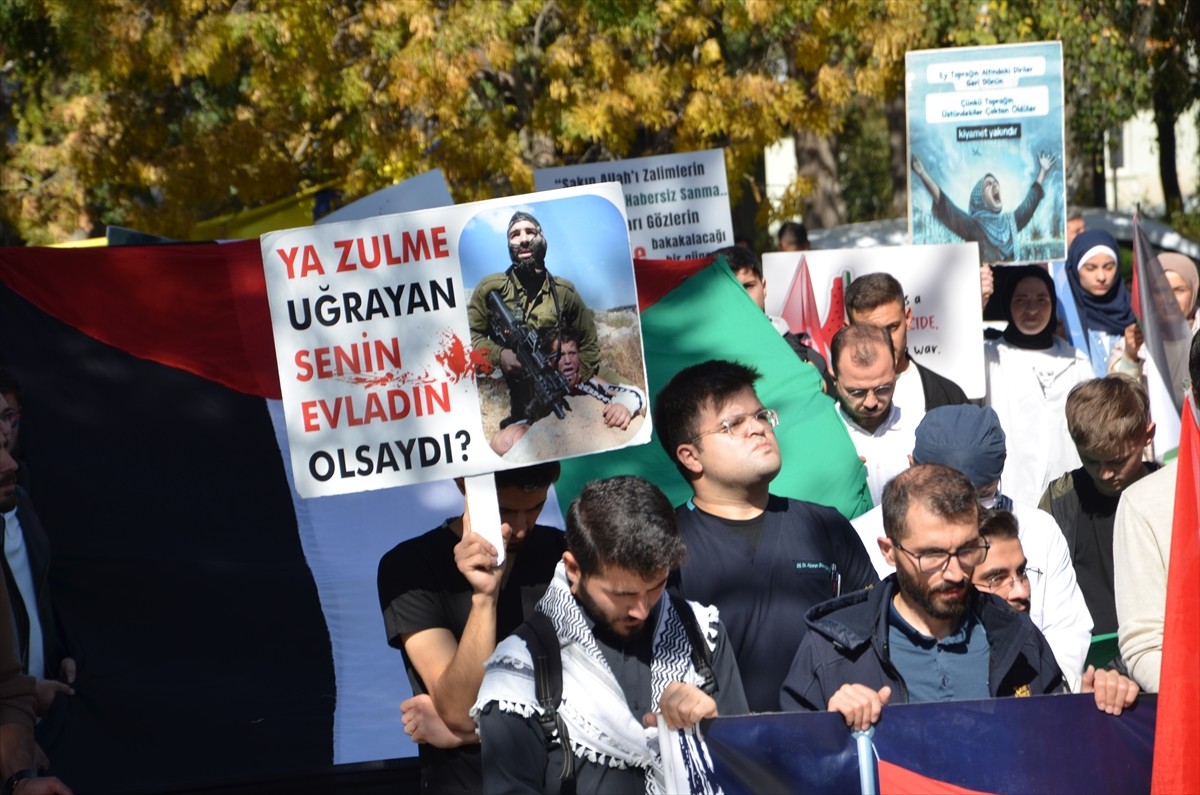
x=415 y=193
x=941 y=287
x=985 y=137
x=677 y=205
x=385 y=371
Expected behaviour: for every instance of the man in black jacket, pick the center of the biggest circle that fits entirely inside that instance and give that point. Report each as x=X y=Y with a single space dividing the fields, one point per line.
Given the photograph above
x=878 y=299
x=925 y=634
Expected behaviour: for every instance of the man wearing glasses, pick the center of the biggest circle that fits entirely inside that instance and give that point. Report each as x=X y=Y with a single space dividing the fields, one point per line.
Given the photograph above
x=1007 y=574
x=864 y=375
x=970 y=439
x=762 y=559
x=925 y=634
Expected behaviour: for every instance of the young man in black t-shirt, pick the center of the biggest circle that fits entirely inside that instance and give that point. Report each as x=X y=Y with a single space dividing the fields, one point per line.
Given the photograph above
x=445 y=605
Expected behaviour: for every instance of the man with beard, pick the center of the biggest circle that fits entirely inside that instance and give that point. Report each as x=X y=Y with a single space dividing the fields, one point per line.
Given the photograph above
x=864 y=377
x=969 y=439
x=878 y=299
x=924 y=634
x=445 y=604
x=627 y=652
x=985 y=221
x=1006 y=573
x=542 y=301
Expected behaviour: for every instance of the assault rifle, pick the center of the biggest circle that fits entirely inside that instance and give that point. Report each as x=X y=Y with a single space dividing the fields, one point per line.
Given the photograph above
x=545 y=387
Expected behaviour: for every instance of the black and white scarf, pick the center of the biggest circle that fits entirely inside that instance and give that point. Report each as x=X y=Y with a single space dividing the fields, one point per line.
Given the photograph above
x=601 y=727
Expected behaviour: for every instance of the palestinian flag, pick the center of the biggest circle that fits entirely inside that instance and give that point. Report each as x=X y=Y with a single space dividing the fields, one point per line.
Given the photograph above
x=226 y=629
x=228 y=634
x=1177 y=770
x=690 y=319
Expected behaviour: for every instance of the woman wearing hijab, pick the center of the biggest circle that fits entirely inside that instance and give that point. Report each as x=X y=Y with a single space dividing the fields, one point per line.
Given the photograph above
x=985 y=221
x=1029 y=373
x=1185 y=283
x=1105 y=308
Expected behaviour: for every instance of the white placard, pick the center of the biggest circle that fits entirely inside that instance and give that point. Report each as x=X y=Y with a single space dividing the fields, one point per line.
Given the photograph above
x=677 y=205
x=379 y=381
x=986 y=146
x=941 y=286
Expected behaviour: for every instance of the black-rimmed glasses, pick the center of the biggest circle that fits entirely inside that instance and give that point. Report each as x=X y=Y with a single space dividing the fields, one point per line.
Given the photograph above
x=928 y=562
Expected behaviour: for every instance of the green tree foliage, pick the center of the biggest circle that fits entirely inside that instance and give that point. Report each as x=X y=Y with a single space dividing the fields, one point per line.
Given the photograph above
x=158 y=113
x=1120 y=57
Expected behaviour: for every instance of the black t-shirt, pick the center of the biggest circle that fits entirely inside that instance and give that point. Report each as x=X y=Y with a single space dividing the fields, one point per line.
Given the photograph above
x=420 y=587
x=804 y=554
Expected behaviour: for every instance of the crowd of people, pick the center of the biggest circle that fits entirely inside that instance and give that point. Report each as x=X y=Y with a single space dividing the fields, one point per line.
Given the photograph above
x=1010 y=534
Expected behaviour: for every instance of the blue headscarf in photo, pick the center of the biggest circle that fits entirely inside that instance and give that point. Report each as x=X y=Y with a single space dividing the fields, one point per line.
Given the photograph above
x=1000 y=227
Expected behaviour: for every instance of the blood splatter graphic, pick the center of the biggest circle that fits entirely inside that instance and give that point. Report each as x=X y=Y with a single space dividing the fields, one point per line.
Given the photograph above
x=459 y=360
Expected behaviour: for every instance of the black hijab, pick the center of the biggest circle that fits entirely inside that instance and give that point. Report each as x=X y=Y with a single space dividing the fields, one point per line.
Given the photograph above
x=1044 y=339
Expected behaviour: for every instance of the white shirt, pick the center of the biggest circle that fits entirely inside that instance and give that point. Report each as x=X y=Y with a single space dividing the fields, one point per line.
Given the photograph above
x=885 y=451
x=1141 y=558
x=910 y=394
x=1057 y=607
x=18 y=564
x=1028 y=390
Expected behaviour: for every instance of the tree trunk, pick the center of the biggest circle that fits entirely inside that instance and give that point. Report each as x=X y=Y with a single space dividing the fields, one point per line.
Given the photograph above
x=1099 y=199
x=816 y=160
x=745 y=211
x=897 y=123
x=1164 y=120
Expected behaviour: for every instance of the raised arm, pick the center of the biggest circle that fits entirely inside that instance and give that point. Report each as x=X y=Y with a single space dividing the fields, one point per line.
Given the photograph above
x=1046 y=161
x=919 y=169
x=453 y=670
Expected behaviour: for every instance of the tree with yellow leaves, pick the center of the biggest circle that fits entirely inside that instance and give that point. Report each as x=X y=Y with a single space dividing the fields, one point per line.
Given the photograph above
x=158 y=114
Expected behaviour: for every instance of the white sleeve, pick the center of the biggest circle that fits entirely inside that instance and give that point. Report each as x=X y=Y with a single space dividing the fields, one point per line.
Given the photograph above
x=628 y=396
x=1141 y=552
x=1060 y=610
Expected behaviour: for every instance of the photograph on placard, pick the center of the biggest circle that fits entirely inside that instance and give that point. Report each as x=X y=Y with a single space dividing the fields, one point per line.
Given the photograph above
x=553 y=310
x=985 y=136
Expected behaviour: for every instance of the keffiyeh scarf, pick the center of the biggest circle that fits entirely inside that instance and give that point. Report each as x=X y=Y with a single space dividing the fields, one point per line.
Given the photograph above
x=601 y=727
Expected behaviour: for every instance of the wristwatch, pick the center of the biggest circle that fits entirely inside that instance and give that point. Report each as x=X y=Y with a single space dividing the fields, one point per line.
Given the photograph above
x=10 y=786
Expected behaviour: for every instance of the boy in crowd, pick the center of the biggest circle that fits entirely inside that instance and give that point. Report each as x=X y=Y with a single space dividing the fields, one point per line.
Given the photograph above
x=1109 y=421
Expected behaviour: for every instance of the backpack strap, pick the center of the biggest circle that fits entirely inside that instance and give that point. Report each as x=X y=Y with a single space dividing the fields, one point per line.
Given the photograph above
x=701 y=654
x=544 y=650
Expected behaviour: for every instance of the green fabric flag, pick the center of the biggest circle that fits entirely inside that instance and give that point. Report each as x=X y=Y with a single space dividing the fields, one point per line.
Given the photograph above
x=709 y=316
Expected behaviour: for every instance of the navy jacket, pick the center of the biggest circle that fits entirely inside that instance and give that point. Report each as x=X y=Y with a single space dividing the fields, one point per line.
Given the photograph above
x=847 y=643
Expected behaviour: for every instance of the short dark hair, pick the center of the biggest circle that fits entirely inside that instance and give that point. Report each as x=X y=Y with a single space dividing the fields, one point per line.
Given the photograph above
x=861 y=339
x=624 y=522
x=529 y=478
x=946 y=493
x=740 y=259
x=796 y=231
x=1074 y=213
x=557 y=336
x=999 y=525
x=873 y=290
x=679 y=404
